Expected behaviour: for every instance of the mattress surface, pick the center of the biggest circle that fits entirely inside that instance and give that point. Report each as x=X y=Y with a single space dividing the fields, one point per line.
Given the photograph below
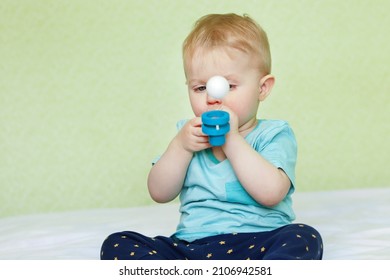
x=354 y=224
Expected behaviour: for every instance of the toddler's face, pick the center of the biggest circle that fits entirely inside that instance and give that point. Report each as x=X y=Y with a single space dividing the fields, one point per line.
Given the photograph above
x=238 y=68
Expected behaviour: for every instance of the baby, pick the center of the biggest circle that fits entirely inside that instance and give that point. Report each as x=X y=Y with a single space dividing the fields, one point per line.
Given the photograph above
x=235 y=199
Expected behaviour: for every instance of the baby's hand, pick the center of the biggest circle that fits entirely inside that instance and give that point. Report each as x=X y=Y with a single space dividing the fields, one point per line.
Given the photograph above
x=233 y=118
x=191 y=137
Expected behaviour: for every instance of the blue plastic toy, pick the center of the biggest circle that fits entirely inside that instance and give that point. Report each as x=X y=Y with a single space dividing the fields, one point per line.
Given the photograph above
x=216 y=124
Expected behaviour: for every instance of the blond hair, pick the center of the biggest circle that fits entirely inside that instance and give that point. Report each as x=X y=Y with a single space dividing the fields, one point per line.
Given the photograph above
x=229 y=30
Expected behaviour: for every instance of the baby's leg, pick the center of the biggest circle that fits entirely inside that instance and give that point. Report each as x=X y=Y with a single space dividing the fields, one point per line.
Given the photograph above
x=295 y=241
x=130 y=245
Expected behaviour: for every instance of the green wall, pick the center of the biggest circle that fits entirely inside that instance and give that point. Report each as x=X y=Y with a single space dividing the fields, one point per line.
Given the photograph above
x=90 y=92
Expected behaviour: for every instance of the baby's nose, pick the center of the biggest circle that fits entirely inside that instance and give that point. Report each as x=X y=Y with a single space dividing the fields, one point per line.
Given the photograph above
x=212 y=100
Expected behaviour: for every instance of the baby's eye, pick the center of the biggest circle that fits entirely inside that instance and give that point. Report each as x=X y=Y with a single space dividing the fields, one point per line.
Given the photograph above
x=200 y=89
x=232 y=86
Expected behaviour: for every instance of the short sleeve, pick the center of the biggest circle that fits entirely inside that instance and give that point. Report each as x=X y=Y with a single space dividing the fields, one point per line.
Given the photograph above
x=179 y=125
x=277 y=144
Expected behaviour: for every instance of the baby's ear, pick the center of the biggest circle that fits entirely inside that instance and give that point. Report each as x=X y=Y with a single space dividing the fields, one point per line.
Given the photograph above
x=265 y=86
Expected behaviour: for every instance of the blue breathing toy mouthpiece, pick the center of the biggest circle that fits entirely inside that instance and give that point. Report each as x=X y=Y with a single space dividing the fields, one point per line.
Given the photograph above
x=216 y=124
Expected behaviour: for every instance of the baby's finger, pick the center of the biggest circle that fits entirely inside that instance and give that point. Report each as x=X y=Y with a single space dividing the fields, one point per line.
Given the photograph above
x=197 y=122
x=203 y=139
x=199 y=132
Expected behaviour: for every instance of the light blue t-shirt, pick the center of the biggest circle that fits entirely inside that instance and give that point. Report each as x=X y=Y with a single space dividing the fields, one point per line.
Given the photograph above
x=214 y=202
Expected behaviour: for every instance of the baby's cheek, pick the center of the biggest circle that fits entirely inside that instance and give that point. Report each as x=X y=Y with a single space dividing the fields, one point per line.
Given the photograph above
x=198 y=110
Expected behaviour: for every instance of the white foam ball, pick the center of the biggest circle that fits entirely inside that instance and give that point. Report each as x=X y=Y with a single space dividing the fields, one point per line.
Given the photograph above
x=217 y=87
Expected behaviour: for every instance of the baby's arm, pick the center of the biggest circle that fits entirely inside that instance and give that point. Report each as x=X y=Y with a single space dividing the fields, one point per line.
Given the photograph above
x=167 y=176
x=266 y=183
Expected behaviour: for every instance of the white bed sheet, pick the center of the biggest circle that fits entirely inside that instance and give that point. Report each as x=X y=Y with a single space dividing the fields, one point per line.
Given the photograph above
x=354 y=224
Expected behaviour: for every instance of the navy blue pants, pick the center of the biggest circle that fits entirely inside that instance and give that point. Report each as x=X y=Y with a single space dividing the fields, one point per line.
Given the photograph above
x=295 y=241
